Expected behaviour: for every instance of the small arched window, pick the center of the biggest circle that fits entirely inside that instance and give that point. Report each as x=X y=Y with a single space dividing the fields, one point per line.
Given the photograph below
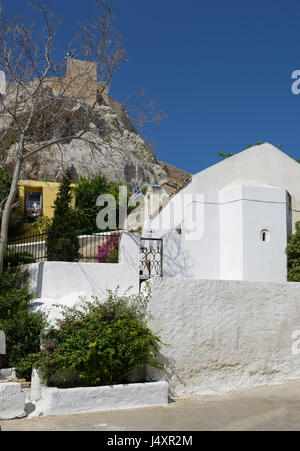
x=265 y=236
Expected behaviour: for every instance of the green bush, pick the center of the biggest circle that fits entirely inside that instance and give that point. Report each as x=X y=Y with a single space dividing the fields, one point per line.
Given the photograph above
x=101 y=342
x=62 y=239
x=22 y=327
x=86 y=193
x=293 y=255
x=13 y=260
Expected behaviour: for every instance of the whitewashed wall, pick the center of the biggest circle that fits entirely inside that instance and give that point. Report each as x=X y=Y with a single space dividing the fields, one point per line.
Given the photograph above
x=241 y=196
x=245 y=211
x=57 y=280
x=223 y=335
x=230 y=247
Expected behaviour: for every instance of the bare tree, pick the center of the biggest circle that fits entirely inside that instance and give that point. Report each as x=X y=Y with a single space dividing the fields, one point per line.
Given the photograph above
x=142 y=111
x=42 y=107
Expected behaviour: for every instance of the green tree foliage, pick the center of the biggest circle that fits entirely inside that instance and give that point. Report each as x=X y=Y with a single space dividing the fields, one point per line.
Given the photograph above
x=5 y=182
x=62 y=241
x=22 y=327
x=225 y=155
x=86 y=193
x=293 y=255
x=15 y=259
x=100 y=342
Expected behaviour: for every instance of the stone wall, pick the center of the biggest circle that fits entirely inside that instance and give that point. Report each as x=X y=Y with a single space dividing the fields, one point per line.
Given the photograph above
x=80 y=81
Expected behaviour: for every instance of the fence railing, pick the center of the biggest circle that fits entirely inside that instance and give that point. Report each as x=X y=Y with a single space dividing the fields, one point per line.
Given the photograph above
x=96 y=248
x=151 y=258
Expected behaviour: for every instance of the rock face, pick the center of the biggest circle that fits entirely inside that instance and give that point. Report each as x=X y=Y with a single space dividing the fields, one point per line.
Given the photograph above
x=110 y=147
x=177 y=178
x=116 y=151
x=65 y=107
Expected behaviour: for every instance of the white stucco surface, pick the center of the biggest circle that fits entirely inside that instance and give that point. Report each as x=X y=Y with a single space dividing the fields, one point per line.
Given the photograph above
x=223 y=335
x=230 y=204
x=7 y=373
x=264 y=165
x=12 y=401
x=56 y=401
x=37 y=384
x=67 y=283
x=245 y=211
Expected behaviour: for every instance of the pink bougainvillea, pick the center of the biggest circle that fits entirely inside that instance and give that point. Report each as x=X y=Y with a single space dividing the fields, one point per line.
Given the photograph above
x=108 y=252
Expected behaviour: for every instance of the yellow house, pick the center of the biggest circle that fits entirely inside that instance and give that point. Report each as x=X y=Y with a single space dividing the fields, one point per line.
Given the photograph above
x=37 y=199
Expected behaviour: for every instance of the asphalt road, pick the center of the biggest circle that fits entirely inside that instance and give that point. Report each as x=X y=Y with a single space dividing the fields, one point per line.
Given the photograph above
x=271 y=408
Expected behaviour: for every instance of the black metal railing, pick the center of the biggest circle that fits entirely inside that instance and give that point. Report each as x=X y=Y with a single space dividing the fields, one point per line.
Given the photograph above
x=96 y=248
x=151 y=258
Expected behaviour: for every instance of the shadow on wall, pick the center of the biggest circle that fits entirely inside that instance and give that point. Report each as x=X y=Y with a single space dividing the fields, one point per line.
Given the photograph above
x=168 y=374
x=129 y=250
x=177 y=260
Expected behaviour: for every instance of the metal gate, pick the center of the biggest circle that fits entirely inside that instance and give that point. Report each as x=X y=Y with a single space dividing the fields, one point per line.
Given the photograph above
x=151 y=258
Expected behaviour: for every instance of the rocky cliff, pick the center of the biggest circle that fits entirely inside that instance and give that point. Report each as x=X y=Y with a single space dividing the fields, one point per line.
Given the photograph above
x=111 y=146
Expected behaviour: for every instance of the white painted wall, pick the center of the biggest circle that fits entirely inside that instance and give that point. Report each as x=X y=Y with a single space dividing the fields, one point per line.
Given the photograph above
x=265 y=165
x=57 y=280
x=12 y=401
x=234 y=200
x=56 y=401
x=223 y=335
x=268 y=211
x=244 y=213
x=231 y=247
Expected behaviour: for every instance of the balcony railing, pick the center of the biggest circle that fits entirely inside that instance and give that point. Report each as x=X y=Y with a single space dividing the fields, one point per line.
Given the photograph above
x=96 y=248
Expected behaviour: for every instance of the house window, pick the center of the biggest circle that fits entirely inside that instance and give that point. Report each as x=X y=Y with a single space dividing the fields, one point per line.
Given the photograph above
x=33 y=206
x=265 y=236
x=178 y=230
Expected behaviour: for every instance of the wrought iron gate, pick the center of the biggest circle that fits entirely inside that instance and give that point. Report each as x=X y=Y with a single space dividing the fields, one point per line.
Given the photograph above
x=151 y=258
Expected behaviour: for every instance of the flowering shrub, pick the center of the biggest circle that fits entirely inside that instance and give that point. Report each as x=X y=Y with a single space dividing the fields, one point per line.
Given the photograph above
x=109 y=251
x=293 y=255
x=22 y=327
x=101 y=342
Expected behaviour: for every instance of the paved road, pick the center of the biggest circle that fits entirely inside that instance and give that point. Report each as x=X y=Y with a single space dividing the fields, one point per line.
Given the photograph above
x=262 y=408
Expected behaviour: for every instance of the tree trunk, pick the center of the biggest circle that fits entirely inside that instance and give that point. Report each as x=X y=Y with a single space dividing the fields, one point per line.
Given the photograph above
x=7 y=210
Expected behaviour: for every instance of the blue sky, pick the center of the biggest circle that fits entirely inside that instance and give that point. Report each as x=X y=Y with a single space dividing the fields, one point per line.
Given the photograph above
x=221 y=70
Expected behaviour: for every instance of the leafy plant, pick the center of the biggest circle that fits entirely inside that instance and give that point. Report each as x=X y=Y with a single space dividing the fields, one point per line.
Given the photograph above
x=42 y=224
x=86 y=193
x=101 y=342
x=108 y=252
x=293 y=255
x=13 y=260
x=225 y=155
x=22 y=327
x=62 y=240
x=106 y=138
